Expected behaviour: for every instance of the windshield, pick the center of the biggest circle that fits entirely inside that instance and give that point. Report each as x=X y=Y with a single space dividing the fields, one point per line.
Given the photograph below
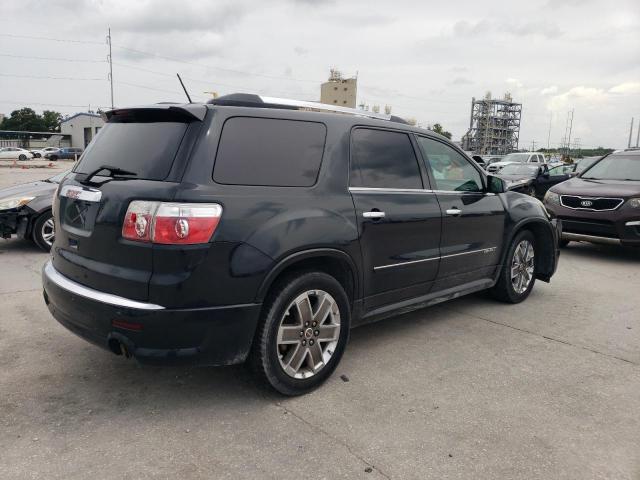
x=585 y=163
x=58 y=178
x=146 y=149
x=516 y=157
x=529 y=170
x=615 y=167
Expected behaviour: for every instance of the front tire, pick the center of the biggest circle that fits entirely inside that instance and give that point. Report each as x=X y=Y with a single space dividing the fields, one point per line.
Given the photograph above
x=44 y=231
x=22 y=157
x=518 y=274
x=564 y=243
x=302 y=334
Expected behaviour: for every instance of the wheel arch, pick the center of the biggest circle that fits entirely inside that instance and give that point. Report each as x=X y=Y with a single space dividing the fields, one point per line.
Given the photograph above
x=542 y=232
x=332 y=261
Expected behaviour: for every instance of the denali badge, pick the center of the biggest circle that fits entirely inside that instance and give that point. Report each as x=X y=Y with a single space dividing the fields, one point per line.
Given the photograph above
x=586 y=203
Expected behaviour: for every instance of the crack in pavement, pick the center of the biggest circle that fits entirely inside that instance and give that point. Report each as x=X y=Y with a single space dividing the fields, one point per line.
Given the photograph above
x=21 y=291
x=334 y=438
x=546 y=337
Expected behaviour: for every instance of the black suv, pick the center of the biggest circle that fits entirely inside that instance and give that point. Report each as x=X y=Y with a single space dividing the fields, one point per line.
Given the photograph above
x=263 y=230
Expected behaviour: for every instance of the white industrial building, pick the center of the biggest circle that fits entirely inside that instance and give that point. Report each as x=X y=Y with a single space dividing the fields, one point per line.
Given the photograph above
x=82 y=127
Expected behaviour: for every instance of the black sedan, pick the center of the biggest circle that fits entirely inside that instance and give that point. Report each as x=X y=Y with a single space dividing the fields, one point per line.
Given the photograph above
x=25 y=210
x=534 y=180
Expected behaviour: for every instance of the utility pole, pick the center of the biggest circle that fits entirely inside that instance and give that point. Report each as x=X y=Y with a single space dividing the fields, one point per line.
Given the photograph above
x=630 y=133
x=533 y=145
x=638 y=137
x=568 y=129
x=549 y=134
x=110 y=66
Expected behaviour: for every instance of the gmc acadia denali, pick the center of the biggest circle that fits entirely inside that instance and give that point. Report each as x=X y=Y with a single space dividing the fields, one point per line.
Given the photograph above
x=262 y=229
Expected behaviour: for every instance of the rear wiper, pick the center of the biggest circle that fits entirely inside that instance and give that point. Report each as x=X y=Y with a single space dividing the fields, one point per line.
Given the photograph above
x=113 y=172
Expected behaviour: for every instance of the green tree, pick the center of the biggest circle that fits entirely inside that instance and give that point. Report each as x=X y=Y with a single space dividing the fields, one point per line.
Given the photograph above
x=51 y=120
x=438 y=129
x=26 y=119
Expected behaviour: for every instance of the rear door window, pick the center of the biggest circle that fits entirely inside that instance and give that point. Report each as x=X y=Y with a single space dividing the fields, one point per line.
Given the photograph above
x=146 y=149
x=383 y=159
x=269 y=152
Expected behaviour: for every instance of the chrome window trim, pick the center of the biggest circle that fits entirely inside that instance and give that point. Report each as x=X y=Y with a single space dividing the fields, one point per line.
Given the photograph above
x=388 y=190
x=634 y=223
x=458 y=192
x=81 y=193
x=621 y=200
x=410 y=262
x=67 y=284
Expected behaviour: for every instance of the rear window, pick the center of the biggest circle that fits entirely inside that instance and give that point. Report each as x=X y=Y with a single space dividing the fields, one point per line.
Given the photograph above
x=269 y=152
x=147 y=149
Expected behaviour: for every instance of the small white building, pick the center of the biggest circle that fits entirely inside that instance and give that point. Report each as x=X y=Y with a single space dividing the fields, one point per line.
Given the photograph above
x=82 y=127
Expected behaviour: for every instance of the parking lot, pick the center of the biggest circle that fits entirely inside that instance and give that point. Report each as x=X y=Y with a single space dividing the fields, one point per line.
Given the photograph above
x=549 y=388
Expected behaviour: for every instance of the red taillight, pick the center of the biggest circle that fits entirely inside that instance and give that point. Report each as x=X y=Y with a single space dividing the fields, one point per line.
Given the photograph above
x=171 y=223
x=138 y=220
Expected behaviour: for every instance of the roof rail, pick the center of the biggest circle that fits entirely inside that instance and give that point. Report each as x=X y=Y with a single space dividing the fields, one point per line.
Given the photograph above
x=251 y=100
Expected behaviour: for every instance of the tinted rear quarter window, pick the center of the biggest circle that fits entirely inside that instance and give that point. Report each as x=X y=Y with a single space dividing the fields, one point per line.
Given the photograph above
x=383 y=159
x=269 y=152
x=147 y=149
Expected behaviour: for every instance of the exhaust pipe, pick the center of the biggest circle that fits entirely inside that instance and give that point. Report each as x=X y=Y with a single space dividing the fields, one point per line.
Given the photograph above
x=120 y=345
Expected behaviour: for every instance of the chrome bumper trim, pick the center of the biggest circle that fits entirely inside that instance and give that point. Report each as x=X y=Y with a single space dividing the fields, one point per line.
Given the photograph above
x=578 y=237
x=635 y=223
x=63 y=282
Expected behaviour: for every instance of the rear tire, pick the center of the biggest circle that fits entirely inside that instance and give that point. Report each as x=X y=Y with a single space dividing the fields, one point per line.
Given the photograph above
x=22 y=157
x=44 y=231
x=518 y=274
x=53 y=158
x=296 y=348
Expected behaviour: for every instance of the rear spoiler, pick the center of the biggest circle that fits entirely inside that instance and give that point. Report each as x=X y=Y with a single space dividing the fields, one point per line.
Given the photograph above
x=186 y=112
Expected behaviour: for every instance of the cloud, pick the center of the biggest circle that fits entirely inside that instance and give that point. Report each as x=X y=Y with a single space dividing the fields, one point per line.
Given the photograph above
x=589 y=96
x=486 y=27
x=626 y=87
x=549 y=90
x=461 y=81
x=514 y=82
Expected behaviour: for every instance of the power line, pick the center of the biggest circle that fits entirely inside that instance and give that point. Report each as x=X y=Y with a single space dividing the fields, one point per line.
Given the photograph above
x=209 y=67
x=49 y=39
x=51 y=58
x=210 y=82
x=15 y=102
x=37 y=77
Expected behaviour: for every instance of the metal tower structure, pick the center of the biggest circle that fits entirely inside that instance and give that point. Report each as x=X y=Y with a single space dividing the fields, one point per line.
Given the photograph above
x=494 y=128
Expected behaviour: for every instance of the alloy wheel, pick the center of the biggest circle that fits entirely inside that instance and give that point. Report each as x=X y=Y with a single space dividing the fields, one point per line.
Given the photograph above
x=48 y=232
x=522 y=266
x=308 y=334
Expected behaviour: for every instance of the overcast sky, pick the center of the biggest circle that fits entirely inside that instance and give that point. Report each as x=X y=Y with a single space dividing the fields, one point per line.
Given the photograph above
x=425 y=59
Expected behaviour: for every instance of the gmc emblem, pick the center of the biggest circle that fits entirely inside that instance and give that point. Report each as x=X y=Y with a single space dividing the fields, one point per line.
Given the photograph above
x=586 y=203
x=73 y=193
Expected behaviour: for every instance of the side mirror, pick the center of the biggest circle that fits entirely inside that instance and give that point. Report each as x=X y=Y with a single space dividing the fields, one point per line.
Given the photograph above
x=496 y=185
x=546 y=174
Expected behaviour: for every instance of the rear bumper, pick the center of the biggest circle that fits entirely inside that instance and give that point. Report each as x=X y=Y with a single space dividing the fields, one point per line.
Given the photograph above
x=151 y=333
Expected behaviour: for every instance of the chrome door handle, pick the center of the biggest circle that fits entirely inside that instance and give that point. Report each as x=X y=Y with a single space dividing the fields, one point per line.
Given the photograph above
x=454 y=211
x=373 y=214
